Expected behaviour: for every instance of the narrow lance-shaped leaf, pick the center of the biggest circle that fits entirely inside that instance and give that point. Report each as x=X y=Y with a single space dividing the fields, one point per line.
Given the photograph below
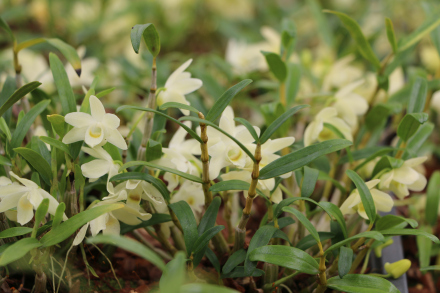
x=390 y=34
x=234 y=260
x=309 y=181
x=249 y=127
x=433 y=199
x=391 y=221
x=40 y=213
x=361 y=284
x=276 y=65
x=131 y=246
x=188 y=222
x=18 y=94
x=62 y=83
x=59 y=213
x=160 y=167
x=368 y=234
x=417 y=98
x=15 y=231
x=399 y=231
x=230 y=185
x=260 y=238
x=149 y=33
x=4 y=25
x=222 y=102
x=302 y=157
x=174 y=275
x=345 y=261
x=356 y=33
x=306 y=223
x=204 y=239
x=179 y=106
x=431 y=23
x=272 y=128
x=18 y=249
x=410 y=124
x=285 y=256
x=189 y=130
x=56 y=143
x=37 y=162
x=365 y=194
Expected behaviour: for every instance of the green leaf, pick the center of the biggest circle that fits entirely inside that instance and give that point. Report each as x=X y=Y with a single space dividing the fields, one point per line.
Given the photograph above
x=378 y=115
x=213 y=259
x=225 y=99
x=276 y=65
x=234 y=260
x=430 y=268
x=189 y=130
x=433 y=199
x=203 y=288
x=285 y=256
x=36 y=161
x=239 y=272
x=179 y=106
x=166 y=169
x=59 y=213
x=154 y=150
x=18 y=94
x=361 y=284
x=431 y=23
x=309 y=241
x=424 y=247
x=390 y=34
x=323 y=26
x=302 y=157
x=40 y=214
x=150 y=35
x=361 y=42
x=379 y=153
x=65 y=92
x=306 y=223
x=391 y=221
x=67 y=228
x=249 y=127
x=204 y=239
x=292 y=82
x=417 y=99
x=283 y=222
x=368 y=234
x=15 y=231
x=210 y=216
x=4 y=25
x=364 y=192
x=5 y=161
x=146 y=177
x=188 y=222
x=387 y=162
x=57 y=144
x=58 y=124
x=260 y=238
x=190 y=118
x=270 y=130
x=130 y=245
x=410 y=124
x=288 y=34
x=173 y=277
x=345 y=261
x=401 y=231
x=421 y=135
x=18 y=250
x=229 y=185
x=155 y=219
x=105 y=92
x=309 y=181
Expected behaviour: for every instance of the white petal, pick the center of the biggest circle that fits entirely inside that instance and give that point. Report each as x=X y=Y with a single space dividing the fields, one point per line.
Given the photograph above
x=112 y=226
x=370 y=184
x=98 y=152
x=174 y=76
x=5 y=181
x=277 y=196
x=96 y=108
x=227 y=122
x=382 y=200
x=132 y=184
x=399 y=189
x=186 y=86
x=415 y=161
x=179 y=137
x=25 y=211
x=215 y=165
x=25 y=182
x=327 y=113
x=95 y=168
x=349 y=203
x=75 y=134
x=114 y=137
x=386 y=179
x=81 y=234
x=312 y=132
x=98 y=224
x=419 y=184
x=273 y=146
x=111 y=120
x=405 y=175
x=9 y=202
x=78 y=119
x=152 y=193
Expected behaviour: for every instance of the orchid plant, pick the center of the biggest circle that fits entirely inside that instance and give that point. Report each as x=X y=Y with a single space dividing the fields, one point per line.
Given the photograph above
x=324 y=172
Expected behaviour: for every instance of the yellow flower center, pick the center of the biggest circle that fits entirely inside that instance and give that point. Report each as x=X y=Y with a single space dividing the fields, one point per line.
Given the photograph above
x=234 y=154
x=95 y=131
x=190 y=200
x=135 y=197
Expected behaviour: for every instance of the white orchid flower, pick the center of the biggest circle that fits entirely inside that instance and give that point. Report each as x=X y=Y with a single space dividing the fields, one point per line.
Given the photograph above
x=341 y=74
x=382 y=201
x=95 y=129
x=26 y=197
x=245 y=58
x=349 y=104
x=130 y=214
x=266 y=186
x=179 y=84
x=179 y=156
x=98 y=168
x=192 y=193
x=316 y=131
x=404 y=178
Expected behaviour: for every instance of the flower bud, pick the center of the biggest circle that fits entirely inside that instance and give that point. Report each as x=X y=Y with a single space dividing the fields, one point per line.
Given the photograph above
x=378 y=249
x=398 y=268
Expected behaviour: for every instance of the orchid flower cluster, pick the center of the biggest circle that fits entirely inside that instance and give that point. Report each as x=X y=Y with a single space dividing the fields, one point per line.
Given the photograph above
x=303 y=197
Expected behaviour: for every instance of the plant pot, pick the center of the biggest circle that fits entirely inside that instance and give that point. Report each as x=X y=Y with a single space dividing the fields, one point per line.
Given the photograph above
x=391 y=254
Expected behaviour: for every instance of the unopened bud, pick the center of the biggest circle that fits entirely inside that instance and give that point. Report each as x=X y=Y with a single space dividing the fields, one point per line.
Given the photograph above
x=398 y=268
x=378 y=249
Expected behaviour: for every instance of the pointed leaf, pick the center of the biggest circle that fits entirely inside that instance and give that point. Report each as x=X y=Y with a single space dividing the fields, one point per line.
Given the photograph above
x=17 y=250
x=18 y=94
x=62 y=83
x=188 y=222
x=37 y=162
x=150 y=35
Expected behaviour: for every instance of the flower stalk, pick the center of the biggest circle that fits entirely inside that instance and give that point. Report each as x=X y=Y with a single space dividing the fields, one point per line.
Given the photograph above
x=148 y=128
x=205 y=163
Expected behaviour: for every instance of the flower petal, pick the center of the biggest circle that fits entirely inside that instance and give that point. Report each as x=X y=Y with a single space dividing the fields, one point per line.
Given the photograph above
x=75 y=134
x=81 y=234
x=419 y=184
x=26 y=182
x=112 y=226
x=25 y=210
x=97 y=108
x=175 y=75
x=111 y=120
x=382 y=200
x=9 y=202
x=188 y=85
x=95 y=168
x=78 y=119
x=114 y=137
